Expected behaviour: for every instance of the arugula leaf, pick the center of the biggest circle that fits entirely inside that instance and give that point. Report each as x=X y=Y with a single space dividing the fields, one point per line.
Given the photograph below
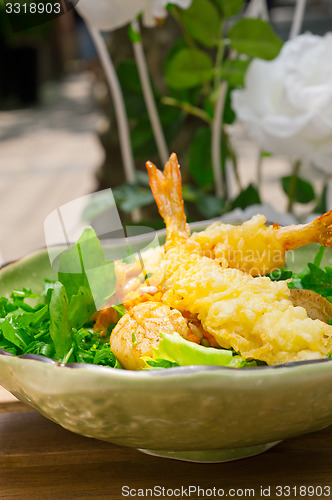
x=6 y=306
x=43 y=348
x=89 y=348
x=159 y=364
x=88 y=278
x=81 y=308
x=11 y=328
x=120 y=309
x=85 y=265
x=312 y=277
x=281 y=274
x=59 y=323
x=318 y=280
x=18 y=297
x=51 y=323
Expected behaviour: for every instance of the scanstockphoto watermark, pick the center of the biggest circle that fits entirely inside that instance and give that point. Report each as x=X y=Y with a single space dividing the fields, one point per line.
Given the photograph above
x=192 y=491
x=298 y=491
x=23 y=15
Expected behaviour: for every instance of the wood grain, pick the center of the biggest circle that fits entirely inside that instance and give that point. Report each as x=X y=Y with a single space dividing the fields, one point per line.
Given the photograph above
x=40 y=460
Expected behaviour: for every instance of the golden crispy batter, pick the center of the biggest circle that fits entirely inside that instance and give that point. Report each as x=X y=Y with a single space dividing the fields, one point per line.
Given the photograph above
x=253 y=315
x=258 y=249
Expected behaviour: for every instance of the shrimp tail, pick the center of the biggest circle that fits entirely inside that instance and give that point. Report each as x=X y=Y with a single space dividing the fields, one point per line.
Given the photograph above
x=167 y=191
x=318 y=231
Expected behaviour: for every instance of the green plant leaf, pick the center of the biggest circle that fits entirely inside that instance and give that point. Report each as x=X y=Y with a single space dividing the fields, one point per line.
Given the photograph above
x=134 y=36
x=247 y=197
x=233 y=71
x=142 y=137
x=188 y=68
x=229 y=113
x=202 y=21
x=199 y=157
x=230 y=8
x=255 y=38
x=210 y=205
x=139 y=197
x=304 y=192
x=128 y=76
x=131 y=88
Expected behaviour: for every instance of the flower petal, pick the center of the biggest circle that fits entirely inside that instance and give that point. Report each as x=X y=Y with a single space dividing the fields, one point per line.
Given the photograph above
x=107 y=15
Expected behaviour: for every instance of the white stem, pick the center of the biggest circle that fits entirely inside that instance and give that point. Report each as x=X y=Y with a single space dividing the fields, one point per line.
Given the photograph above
x=120 y=110
x=297 y=19
x=216 y=140
x=329 y=195
x=259 y=169
x=148 y=96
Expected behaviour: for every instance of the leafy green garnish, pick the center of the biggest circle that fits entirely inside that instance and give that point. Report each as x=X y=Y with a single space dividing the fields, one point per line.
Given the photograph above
x=88 y=278
x=318 y=280
x=59 y=324
x=159 y=364
x=312 y=277
x=89 y=348
x=174 y=349
x=120 y=309
x=55 y=322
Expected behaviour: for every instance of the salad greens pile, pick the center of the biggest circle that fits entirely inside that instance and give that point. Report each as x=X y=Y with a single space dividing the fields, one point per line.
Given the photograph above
x=313 y=277
x=57 y=322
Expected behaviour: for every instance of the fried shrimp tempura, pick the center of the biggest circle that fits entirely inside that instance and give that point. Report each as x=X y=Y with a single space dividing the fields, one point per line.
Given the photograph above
x=257 y=249
x=254 y=316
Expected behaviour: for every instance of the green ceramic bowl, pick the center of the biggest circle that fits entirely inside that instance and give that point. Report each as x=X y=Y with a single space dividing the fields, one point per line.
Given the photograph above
x=196 y=413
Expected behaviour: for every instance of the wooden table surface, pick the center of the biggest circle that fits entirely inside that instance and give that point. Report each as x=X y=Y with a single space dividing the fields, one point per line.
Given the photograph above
x=41 y=460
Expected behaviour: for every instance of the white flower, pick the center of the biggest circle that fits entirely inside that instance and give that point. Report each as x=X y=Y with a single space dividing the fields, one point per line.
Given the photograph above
x=287 y=102
x=107 y=15
x=156 y=10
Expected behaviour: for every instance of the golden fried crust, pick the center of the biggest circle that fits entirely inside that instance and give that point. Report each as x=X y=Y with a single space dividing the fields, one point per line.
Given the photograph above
x=254 y=316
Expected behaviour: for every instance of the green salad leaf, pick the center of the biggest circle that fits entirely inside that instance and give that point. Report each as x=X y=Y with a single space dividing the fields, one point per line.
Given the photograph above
x=174 y=349
x=313 y=277
x=319 y=280
x=56 y=322
x=88 y=278
x=59 y=324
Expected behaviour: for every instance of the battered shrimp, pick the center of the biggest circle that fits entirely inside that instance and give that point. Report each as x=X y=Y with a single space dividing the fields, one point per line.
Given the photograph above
x=138 y=332
x=254 y=316
x=138 y=277
x=257 y=249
